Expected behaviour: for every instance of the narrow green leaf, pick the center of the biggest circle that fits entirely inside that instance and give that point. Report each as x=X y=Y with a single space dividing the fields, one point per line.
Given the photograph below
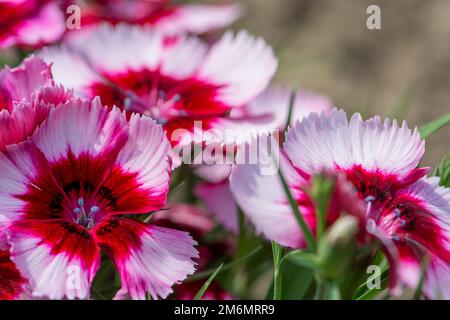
x=206 y=273
x=291 y=108
x=304 y=227
x=97 y=295
x=277 y=251
x=431 y=127
x=202 y=291
x=302 y=258
x=364 y=293
x=443 y=171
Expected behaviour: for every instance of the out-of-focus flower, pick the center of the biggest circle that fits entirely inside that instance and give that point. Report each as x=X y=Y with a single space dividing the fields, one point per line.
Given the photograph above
x=199 y=224
x=268 y=112
x=187 y=291
x=66 y=193
x=27 y=94
x=170 y=19
x=175 y=84
x=12 y=285
x=30 y=23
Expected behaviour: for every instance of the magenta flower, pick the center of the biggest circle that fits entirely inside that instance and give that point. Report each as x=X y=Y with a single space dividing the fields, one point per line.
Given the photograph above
x=27 y=94
x=169 y=19
x=66 y=193
x=174 y=83
x=30 y=23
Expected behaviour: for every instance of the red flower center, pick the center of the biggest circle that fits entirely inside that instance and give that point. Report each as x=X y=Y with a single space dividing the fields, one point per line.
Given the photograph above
x=159 y=96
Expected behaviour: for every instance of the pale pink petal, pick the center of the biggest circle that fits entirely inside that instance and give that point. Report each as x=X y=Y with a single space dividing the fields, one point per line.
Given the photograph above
x=186 y=217
x=242 y=64
x=329 y=142
x=149 y=259
x=25 y=80
x=46 y=26
x=20 y=167
x=275 y=101
x=81 y=127
x=58 y=258
x=183 y=58
x=69 y=69
x=198 y=19
x=220 y=202
x=144 y=48
x=437 y=284
x=146 y=156
x=213 y=173
x=20 y=122
x=256 y=186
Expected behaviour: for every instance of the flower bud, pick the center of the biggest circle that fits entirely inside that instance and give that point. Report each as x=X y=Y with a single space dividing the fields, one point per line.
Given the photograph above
x=337 y=248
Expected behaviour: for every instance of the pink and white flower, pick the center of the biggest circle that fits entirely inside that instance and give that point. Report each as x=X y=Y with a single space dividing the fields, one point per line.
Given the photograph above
x=268 y=112
x=199 y=224
x=30 y=23
x=407 y=212
x=65 y=195
x=12 y=285
x=176 y=84
x=169 y=19
x=27 y=94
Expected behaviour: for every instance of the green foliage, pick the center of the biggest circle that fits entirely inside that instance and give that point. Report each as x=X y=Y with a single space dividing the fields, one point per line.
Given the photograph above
x=208 y=282
x=443 y=171
x=433 y=126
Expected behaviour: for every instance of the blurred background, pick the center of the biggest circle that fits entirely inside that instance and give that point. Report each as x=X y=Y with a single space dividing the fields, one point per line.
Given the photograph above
x=402 y=70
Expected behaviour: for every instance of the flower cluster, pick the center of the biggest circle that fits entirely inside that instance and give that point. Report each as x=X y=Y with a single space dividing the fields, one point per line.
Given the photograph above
x=143 y=147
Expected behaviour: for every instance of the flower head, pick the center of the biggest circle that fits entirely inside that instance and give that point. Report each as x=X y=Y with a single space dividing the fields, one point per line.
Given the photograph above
x=175 y=84
x=67 y=191
x=30 y=22
x=27 y=93
x=407 y=212
x=169 y=19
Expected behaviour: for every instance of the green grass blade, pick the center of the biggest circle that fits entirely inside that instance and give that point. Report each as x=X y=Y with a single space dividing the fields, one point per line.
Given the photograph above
x=205 y=287
x=304 y=227
x=206 y=273
x=433 y=126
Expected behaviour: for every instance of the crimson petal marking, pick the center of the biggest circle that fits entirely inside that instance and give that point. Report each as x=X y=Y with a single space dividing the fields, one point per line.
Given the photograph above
x=58 y=258
x=149 y=258
x=26 y=186
x=140 y=180
x=43 y=25
x=12 y=284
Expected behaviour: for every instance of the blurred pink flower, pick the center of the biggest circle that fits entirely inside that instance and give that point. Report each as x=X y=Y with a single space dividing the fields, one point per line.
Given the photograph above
x=199 y=224
x=170 y=19
x=12 y=285
x=175 y=84
x=30 y=23
x=27 y=94
x=268 y=112
x=66 y=192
